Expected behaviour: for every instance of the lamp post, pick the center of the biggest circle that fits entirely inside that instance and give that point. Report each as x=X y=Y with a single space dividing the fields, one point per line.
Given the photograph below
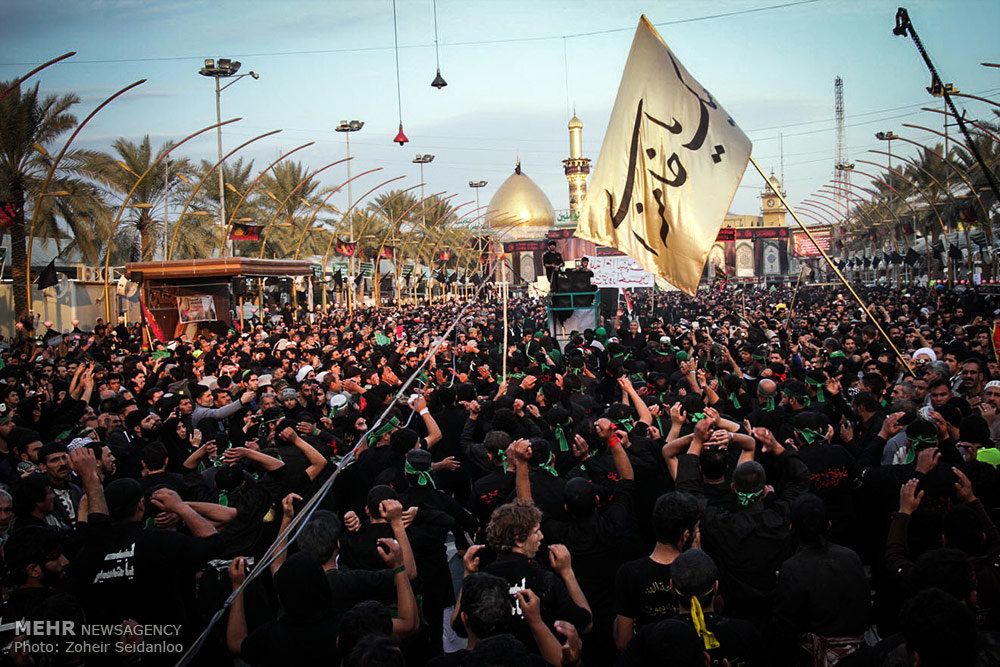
x=347 y=127
x=224 y=69
x=887 y=136
x=476 y=185
x=422 y=160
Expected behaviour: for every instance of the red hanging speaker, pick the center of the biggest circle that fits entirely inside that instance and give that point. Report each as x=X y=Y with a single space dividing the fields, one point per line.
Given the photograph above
x=400 y=137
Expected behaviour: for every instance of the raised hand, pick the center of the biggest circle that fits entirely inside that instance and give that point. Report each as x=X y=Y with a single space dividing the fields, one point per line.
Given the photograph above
x=909 y=497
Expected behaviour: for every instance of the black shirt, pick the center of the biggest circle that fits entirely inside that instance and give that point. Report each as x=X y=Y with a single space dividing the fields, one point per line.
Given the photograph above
x=553 y=261
x=642 y=592
x=557 y=604
x=147 y=575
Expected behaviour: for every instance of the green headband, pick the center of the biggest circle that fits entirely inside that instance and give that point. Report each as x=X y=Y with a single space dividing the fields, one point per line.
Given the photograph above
x=760 y=356
x=748 y=497
x=502 y=453
x=838 y=353
x=424 y=477
x=769 y=403
x=560 y=434
x=547 y=466
x=626 y=423
x=819 y=388
x=696 y=417
x=734 y=399
x=809 y=435
x=798 y=397
x=391 y=424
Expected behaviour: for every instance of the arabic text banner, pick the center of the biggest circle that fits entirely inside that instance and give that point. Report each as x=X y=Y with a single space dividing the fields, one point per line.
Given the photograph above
x=619 y=271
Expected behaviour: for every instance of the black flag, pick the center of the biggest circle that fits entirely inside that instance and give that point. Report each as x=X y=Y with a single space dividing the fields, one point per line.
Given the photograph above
x=338 y=278
x=912 y=257
x=954 y=252
x=48 y=277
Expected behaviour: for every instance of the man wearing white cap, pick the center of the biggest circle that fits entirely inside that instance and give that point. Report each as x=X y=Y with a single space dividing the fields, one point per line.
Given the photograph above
x=990 y=408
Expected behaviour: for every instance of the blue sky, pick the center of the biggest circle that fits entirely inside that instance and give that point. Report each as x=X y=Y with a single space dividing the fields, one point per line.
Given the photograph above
x=515 y=71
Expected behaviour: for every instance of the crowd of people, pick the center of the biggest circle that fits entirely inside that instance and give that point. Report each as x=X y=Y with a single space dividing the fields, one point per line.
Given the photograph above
x=710 y=480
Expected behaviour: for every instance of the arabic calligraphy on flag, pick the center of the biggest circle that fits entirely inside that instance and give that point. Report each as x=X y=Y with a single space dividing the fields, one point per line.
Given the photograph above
x=669 y=167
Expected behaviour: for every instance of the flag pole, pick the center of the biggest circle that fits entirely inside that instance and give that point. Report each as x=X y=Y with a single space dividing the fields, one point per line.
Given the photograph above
x=503 y=292
x=833 y=266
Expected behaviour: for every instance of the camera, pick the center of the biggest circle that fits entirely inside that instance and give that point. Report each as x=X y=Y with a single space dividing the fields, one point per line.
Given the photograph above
x=220 y=565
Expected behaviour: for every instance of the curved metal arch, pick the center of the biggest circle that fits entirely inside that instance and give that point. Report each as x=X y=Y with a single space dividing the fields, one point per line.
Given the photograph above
x=875 y=200
x=887 y=185
x=975 y=124
x=243 y=196
x=121 y=210
x=35 y=71
x=197 y=188
x=426 y=228
x=55 y=163
x=308 y=177
x=861 y=206
x=430 y=229
x=402 y=216
x=444 y=228
x=334 y=233
x=312 y=218
x=915 y=187
x=950 y=163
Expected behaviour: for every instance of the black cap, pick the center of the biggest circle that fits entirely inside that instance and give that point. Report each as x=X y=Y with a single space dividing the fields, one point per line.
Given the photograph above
x=419 y=459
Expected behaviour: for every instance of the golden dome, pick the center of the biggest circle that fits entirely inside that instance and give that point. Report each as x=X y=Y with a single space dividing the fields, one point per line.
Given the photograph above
x=520 y=201
x=575 y=123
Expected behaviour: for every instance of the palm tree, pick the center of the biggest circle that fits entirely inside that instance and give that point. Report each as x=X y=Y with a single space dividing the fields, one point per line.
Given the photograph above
x=28 y=127
x=117 y=174
x=203 y=240
x=289 y=216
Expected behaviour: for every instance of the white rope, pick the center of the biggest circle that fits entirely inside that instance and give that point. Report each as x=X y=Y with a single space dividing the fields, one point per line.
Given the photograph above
x=298 y=521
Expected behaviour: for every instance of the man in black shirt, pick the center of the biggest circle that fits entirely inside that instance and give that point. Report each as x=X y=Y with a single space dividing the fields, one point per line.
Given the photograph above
x=122 y=566
x=642 y=586
x=515 y=533
x=553 y=261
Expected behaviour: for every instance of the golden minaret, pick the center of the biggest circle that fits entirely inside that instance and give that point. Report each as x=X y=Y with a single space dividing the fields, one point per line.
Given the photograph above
x=576 y=167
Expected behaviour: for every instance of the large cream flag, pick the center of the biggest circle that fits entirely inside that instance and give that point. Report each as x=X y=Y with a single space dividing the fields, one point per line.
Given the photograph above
x=669 y=167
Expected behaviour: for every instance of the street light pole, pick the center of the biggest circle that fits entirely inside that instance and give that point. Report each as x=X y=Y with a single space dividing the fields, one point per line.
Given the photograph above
x=476 y=185
x=422 y=160
x=888 y=136
x=347 y=127
x=223 y=70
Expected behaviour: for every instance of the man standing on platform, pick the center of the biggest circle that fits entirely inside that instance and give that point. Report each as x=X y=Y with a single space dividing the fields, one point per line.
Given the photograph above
x=552 y=260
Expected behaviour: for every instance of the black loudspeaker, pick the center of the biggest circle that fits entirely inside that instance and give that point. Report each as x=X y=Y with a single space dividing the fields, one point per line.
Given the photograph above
x=137 y=276
x=239 y=287
x=576 y=281
x=609 y=302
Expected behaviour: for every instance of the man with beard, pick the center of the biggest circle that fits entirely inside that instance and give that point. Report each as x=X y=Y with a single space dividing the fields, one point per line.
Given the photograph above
x=55 y=465
x=36 y=563
x=973 y=378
